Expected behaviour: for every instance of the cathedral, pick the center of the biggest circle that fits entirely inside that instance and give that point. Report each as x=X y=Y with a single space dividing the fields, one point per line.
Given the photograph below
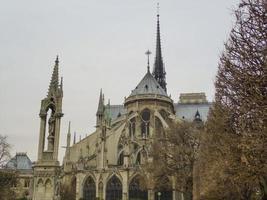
x=106 y=165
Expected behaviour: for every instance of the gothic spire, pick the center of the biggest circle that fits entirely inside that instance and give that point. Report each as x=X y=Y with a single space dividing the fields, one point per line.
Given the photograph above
x=67 y=152
x=74 y=138
x=54 y=82
x=159 y=70
x=68 y=136
x=100 y=110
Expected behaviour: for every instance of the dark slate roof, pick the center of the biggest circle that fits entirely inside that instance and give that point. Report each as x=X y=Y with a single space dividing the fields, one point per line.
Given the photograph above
x=148 y=85
x=116 y=110
x=183 y=110
x=20 y=162
x=188 y=111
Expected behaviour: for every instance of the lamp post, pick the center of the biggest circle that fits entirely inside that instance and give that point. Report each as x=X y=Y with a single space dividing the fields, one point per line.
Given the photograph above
x=159 y=194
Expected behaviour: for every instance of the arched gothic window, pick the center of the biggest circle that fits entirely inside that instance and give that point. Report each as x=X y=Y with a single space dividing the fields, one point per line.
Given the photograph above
x=89 y=189
x=114 y=189
x=120 y=159
x=135 y=191
x=132 y=127
x=40 y=186
x=48 y=188
x=145 y=121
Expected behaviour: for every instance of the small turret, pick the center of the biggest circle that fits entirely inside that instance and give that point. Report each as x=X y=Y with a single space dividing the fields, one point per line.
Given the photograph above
x=67 y=154
x=197 y=117
x=68 y=136
x=100 y=110
x=74 y=138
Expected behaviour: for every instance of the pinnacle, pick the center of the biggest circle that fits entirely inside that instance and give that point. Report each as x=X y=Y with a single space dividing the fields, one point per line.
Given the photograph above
x=54 y=82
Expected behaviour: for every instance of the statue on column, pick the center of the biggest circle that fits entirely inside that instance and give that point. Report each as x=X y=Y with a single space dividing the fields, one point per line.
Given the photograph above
x=51 y=124
x=51 y=132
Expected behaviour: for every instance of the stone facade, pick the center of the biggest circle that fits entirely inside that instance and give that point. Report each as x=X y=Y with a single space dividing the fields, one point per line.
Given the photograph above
x=107 y=164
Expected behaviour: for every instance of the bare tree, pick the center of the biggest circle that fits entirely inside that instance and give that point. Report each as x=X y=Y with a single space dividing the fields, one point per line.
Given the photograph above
x=233 y=153
x=4 y=150
x=67 y=192
x=241 y=83
x=173 y=155
x=8 y=179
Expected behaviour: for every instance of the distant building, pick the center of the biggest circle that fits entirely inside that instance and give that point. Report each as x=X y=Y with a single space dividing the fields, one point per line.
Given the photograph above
x=106 y=163
x=22 y=165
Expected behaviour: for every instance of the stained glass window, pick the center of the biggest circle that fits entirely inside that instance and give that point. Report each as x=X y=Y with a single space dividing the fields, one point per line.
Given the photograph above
x=114 y=189
x=89 y=189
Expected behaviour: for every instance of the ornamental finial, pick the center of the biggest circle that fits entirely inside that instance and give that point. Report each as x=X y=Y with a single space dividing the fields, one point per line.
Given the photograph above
x=148 y=54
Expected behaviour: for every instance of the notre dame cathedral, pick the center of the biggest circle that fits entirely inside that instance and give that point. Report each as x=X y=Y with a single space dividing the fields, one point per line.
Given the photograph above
x=105 y=165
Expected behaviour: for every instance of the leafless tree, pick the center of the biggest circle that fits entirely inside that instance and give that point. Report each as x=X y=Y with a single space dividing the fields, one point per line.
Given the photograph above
x=174 y=153
x=233 y=153
x=4 y=150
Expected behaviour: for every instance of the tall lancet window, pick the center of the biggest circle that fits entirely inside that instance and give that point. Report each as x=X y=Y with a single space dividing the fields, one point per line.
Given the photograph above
x=145 y=121
x=132 y=127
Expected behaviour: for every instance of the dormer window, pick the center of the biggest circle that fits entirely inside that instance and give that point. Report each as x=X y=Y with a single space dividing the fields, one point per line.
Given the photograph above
x=146 y=86
x=197 y=117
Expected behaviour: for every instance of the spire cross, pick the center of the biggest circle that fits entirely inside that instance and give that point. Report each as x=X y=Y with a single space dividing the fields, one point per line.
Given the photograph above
x=158 y=9
x=57 y=60
x=148 y=54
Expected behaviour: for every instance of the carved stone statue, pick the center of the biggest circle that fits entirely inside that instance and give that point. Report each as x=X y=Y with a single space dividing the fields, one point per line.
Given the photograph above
x=51 y=124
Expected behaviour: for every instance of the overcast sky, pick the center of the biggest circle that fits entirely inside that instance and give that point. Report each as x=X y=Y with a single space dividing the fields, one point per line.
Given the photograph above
x=101 y=44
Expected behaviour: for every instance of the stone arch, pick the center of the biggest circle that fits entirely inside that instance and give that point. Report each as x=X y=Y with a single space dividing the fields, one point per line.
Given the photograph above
x=89 y=188
x=40 y=186
x=114 y=173
x=114 y=188
x=40 y=182
x=136 y=192
x=50 y=105
x=88 y=174
x=140 y=156
x=48 y=183
x=48 y=188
